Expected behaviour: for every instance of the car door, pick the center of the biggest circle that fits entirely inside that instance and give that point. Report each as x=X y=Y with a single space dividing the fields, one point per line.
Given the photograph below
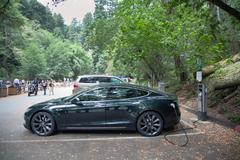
x=122 y=106
x=87 y=109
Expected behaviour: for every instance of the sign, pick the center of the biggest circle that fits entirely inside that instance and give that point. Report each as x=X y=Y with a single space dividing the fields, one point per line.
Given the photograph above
x=199 y=76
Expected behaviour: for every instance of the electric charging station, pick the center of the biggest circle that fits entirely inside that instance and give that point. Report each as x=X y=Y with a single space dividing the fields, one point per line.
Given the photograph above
x=202 y=94
x=202 y=102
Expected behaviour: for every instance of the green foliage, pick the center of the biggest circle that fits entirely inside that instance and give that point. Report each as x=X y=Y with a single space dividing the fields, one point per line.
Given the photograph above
x=99 y=31
x=10 y=38
x=235 y=119
x=86 y=28
x=158 y=39
x=33 y=62
x=148 y=39
x=29 y=50
x=62 y=57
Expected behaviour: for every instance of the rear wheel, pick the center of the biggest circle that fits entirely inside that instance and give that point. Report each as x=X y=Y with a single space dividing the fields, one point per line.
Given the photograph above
x=150 y=124
x=42 y=124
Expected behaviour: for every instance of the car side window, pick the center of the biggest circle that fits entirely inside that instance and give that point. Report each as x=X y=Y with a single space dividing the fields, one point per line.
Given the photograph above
x=85 y=80
x=95 y=95
x=103 y=79
x=123 y=93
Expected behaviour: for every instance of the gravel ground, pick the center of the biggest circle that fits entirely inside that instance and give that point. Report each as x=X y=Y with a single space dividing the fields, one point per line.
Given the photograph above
x=223 y=139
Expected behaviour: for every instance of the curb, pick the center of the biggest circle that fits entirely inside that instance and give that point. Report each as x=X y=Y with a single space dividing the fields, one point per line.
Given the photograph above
x=213 y=117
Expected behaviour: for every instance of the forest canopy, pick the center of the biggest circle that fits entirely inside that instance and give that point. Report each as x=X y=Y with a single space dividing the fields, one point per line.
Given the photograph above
x=151 y=40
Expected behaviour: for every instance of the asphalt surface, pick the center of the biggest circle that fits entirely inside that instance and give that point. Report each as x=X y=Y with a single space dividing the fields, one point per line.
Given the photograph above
x=17 y=143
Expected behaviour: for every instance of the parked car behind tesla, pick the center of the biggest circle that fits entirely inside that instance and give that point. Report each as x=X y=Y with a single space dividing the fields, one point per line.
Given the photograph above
x=106 y=106
x=90 y=80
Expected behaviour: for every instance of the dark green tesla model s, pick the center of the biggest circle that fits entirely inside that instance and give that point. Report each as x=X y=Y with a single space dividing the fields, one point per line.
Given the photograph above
x=106 y=106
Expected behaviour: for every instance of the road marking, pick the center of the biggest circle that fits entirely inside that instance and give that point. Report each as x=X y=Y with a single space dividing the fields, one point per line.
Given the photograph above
x=187 y=124
x=95 y=139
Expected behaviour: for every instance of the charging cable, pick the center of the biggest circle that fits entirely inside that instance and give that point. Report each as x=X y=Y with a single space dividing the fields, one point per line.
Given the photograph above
x=182 y=128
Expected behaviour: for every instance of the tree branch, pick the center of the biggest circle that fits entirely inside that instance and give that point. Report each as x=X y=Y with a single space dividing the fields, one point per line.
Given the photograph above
x=226 y=8
x=5 y=5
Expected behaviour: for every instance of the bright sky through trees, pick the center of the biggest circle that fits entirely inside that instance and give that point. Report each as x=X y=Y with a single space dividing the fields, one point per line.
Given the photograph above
x=71 y=8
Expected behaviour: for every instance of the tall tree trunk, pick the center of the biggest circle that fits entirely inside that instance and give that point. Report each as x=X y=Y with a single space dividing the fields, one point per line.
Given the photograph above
x=226 y=7
x=153 y=74
x=183 y=76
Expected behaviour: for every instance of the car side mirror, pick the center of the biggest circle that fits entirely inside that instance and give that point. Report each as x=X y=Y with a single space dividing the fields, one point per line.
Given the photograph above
x=76 y=101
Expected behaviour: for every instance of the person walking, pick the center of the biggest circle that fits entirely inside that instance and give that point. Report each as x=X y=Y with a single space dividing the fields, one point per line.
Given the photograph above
x=16 y=83
x=23 y=85
x=35 y=83
x=51 y=88
x=44 y=85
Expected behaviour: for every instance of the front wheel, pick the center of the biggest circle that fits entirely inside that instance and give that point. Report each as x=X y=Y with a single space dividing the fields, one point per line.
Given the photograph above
x=42 y=124
x=150 y=124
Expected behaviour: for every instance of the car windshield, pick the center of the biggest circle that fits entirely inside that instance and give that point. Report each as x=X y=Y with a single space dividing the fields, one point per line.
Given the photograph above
x=72 y=96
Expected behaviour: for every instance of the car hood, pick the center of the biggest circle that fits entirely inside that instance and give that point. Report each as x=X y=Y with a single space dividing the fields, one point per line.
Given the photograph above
x=48 y=103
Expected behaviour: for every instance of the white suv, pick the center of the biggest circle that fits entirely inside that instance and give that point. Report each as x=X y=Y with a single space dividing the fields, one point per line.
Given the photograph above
x=90 y=80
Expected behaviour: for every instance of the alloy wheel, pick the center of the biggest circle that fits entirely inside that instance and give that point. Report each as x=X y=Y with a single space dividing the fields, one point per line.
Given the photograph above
x=42 y=124
x=150 y=124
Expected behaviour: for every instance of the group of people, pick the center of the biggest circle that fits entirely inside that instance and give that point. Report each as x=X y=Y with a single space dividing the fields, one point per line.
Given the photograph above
x=48 y=84
x=19 y=84
x=66 y=82
x=43 y=84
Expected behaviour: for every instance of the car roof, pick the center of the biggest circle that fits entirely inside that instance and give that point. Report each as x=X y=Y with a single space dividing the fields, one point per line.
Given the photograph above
x=83 y=76
x=134 y=86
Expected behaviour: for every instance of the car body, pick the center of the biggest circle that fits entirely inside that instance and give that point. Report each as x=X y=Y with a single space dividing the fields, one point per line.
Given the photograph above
x=90 y=80
x=106 y=106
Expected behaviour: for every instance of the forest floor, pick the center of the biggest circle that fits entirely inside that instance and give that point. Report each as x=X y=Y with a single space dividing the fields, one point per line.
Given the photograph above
x=223 y=105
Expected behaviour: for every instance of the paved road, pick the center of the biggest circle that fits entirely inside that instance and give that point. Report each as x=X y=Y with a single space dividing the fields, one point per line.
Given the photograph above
x=17 y=143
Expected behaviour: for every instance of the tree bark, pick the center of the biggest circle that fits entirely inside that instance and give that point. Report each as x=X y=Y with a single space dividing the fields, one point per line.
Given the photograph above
x=227 y=84
x=226 y=7
x=153 y=73
x=180 y=69
x=208 y=70
x=224 y=77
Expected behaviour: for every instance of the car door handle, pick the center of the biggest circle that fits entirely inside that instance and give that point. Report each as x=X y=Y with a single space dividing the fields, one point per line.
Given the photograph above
x=99 y=105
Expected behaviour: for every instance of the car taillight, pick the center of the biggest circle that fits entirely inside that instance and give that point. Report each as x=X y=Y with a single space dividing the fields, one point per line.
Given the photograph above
x=75 y=85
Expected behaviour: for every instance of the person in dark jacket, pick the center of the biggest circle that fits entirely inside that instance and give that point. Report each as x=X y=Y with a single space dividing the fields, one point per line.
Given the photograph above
x=35 y=82
x=44 y=85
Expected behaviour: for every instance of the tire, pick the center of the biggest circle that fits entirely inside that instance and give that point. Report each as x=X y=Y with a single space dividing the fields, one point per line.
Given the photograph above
x=150 y=124
x=29 y=94
x=42 y=124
